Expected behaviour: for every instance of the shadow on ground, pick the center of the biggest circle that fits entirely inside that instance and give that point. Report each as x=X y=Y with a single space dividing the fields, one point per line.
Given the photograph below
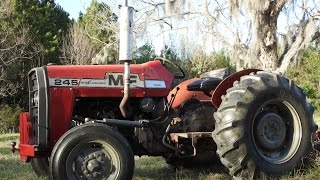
x=155 y=168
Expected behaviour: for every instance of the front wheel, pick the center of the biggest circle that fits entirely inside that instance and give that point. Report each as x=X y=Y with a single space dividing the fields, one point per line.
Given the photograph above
x=264 y=124
x=92 y=151
x=40 y=166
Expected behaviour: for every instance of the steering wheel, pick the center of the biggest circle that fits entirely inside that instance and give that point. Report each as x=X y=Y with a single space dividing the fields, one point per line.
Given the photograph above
x=164 y=61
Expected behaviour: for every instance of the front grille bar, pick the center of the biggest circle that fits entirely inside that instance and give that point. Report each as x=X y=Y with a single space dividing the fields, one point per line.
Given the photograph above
x=39 y=106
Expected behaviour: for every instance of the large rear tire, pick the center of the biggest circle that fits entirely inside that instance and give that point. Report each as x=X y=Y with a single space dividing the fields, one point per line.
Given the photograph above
x=264 y=124
x=92 y=151
x=40 y=166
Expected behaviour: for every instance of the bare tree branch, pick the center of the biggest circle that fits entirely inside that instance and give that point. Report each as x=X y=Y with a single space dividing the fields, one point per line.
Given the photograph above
x=278 y=7
x=77 y=47
x=17 y=54
x=309 y=31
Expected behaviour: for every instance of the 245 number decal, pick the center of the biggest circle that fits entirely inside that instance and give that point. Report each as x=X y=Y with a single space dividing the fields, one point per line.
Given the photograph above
x=64 y=82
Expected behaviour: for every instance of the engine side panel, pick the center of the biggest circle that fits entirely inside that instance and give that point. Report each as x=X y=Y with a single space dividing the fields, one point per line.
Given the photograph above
x=61 y=107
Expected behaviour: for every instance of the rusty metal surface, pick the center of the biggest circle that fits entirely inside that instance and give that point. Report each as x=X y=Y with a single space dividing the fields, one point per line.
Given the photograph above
x=316 y=140
x=176 y=136
x=194 y=136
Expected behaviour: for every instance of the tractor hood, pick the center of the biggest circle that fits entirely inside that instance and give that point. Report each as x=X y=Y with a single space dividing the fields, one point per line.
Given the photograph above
x=147 y=75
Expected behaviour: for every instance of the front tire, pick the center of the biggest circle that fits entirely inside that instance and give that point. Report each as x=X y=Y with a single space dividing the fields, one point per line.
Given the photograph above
x=92 y=151
x=264 y=124
x=40 y=166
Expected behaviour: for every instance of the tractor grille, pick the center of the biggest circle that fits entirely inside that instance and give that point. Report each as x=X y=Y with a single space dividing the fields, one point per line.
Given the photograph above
x=38 y=106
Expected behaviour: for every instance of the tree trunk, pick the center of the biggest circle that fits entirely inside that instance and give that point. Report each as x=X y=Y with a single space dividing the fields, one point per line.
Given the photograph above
x=263 y=50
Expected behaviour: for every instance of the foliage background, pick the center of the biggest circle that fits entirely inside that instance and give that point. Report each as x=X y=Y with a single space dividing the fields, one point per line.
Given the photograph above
x=307 y=75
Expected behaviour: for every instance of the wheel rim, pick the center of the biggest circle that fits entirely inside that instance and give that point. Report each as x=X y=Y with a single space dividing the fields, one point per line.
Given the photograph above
x=93 y=160
x=277 y=131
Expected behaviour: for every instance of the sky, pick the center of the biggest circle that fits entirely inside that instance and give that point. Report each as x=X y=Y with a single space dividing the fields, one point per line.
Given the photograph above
x=73 y=7
x=158 y=39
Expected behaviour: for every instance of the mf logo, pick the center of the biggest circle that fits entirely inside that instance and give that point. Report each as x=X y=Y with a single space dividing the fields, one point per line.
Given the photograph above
x=116 y=80
x=111 y=80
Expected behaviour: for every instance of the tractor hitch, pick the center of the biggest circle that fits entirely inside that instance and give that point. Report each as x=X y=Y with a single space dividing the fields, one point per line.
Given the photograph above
x=13 y=147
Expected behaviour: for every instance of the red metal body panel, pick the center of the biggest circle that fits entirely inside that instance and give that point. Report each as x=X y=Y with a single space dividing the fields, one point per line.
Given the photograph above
x=105 y=92
x=226 y=84
x=62 y=99
x=88 y=71
x=61 y=107
x=184 y=95
x=26 y=152
x=25 y=129
x=152 y=70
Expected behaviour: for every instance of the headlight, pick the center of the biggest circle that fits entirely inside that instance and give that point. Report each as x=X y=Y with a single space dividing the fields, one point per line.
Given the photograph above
x=35 y=99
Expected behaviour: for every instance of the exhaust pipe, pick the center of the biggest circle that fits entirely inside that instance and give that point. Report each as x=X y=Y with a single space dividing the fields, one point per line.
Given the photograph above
x=126 y=90
x=125 y=52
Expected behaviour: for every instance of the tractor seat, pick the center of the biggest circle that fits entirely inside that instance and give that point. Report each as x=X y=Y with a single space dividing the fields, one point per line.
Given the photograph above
x=218 y=73
x=206 y=84
x=209 y=80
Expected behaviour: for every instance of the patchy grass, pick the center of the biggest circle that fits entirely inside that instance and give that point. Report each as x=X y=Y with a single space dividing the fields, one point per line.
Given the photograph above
x=147 y=168
x=10 y=165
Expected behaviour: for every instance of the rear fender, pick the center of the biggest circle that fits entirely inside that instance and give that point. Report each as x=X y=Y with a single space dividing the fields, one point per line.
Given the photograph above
x=227 y=83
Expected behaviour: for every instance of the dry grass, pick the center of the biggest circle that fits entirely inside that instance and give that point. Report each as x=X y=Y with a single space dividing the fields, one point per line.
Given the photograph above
x=147 y=168
x=10 y=166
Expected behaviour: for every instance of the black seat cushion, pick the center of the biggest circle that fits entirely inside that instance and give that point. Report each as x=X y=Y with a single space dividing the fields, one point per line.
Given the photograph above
x=218 y=73
x=206 y=84
x=209 y=83
x=195 y=85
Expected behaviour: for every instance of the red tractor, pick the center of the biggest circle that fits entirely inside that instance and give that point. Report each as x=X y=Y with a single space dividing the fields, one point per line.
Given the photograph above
x=81 y=124
x=88 y=122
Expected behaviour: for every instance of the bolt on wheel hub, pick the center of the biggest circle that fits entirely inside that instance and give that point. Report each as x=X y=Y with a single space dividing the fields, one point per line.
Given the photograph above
x=96 y=165
x=277 y=131
x=270 y=131
x=93 y=165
